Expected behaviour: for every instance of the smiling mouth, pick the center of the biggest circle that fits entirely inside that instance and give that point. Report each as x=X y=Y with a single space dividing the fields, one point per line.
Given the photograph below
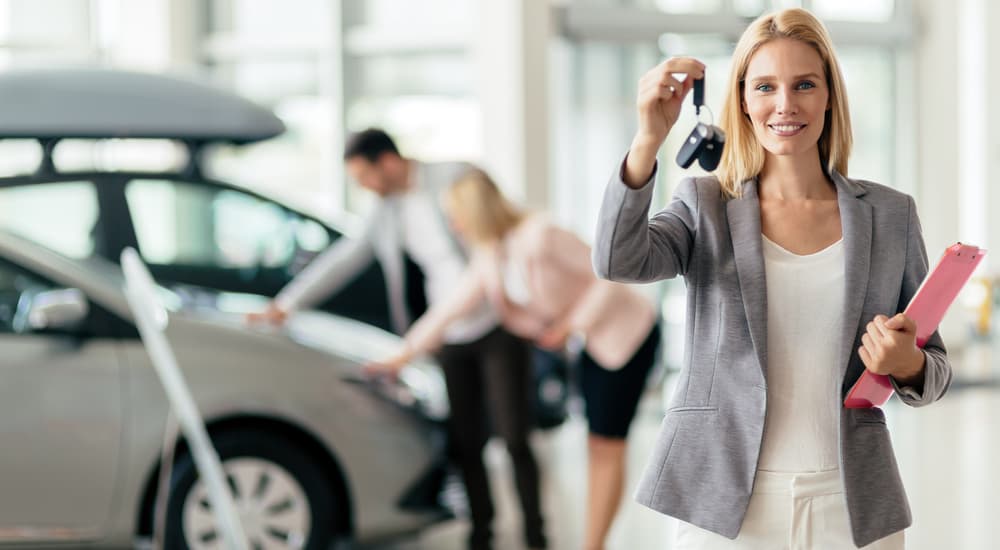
x=786 y=129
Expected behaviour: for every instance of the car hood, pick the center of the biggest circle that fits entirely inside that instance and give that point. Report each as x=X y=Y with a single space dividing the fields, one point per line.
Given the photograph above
x=420 y=384
x=319 y=330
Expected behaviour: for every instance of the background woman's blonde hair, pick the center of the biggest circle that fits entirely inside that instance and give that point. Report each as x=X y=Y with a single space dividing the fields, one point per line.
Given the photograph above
x=743 y=156
x=483 y=210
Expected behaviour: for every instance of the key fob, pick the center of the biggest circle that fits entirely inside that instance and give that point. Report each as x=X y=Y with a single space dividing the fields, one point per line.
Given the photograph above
x=711 y=154
x=694 y=145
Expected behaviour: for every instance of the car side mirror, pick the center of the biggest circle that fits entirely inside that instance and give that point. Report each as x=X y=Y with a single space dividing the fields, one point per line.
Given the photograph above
x=53 y=309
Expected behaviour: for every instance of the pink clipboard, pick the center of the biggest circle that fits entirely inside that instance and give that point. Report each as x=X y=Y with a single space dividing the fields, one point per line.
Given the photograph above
x=927 y=308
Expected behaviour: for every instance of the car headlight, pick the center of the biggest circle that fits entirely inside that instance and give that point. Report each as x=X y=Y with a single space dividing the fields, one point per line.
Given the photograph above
x=421 y=385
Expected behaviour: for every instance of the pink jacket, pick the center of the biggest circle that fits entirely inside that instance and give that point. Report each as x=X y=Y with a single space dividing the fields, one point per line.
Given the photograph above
x=555 y=271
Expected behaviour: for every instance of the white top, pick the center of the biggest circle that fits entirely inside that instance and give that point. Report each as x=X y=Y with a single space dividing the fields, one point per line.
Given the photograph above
x=515 y=283
x=805 y=315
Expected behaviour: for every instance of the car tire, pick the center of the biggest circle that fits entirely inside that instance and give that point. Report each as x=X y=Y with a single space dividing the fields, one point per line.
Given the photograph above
x=252 y=455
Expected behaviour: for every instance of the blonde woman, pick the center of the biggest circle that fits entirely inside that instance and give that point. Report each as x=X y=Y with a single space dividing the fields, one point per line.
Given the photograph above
x=795 y=274
x=539 y=278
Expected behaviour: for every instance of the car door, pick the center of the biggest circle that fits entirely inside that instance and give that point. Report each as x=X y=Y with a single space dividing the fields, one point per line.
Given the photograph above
x=218 y=237
x=60 y=420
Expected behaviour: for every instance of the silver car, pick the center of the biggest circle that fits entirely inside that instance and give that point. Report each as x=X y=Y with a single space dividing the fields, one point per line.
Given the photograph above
x=313 y=453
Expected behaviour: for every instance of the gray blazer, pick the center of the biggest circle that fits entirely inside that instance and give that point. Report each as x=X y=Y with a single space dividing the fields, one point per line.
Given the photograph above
x=703 y=465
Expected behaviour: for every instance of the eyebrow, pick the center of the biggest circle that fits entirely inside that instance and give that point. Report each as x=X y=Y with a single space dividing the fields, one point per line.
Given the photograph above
x=797 y=77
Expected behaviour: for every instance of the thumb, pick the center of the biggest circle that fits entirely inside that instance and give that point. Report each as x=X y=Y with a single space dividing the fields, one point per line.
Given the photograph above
x=901 y=322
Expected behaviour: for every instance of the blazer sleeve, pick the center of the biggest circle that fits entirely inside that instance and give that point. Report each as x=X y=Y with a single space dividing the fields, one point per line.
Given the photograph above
x=937 y=368
x=630 y=247
x=332 y=269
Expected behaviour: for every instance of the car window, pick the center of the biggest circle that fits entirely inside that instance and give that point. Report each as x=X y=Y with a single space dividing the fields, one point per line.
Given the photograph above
x=61 y=216
x=192 y=224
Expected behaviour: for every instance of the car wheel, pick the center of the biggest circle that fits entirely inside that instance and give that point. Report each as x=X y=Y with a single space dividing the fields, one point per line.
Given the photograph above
x=282 y=495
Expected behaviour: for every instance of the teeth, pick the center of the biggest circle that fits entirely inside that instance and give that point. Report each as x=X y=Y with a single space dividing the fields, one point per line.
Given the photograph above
x=786 y=127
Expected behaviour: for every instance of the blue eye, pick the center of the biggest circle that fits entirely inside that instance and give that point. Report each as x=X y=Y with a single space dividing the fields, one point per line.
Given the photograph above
x=763 y=88
x=805 y=85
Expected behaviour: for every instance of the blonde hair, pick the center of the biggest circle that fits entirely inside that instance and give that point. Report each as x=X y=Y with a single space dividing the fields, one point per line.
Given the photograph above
x=743 y=156
x=485 y=213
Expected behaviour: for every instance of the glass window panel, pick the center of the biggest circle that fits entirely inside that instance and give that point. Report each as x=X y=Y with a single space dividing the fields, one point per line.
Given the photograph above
x=282 y=18
x=188 y=224
x=294 y=168
x=48 y=22
x=414 y=74
x=868 y=73
x=854 y=10
x=60 y=216
x=755 y=8
x=269 y=82
x=404 y=13
x=750 y=8
x=688 y=6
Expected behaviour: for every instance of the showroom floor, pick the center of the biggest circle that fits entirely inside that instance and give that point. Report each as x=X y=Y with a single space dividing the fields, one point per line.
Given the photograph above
x=945 y=452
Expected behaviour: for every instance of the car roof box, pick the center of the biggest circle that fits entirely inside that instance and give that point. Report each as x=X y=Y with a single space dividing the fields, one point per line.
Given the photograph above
x=100 y=104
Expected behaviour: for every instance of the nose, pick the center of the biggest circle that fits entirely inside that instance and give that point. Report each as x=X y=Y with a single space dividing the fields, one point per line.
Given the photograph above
x=785 y=102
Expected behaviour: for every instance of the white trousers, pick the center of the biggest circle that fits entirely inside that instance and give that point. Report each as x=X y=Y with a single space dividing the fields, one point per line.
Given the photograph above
x=789 y=512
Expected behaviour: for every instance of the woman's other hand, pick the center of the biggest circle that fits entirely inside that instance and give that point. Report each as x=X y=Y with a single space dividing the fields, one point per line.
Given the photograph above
x=889 y=347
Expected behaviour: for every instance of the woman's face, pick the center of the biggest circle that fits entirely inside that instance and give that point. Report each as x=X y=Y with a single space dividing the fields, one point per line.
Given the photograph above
x=786 y=96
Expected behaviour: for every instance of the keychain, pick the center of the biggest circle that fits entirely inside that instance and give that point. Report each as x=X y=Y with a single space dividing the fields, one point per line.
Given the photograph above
x=706 y=141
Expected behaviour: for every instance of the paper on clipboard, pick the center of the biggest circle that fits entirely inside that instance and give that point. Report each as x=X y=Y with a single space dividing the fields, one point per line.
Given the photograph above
x=926 y=308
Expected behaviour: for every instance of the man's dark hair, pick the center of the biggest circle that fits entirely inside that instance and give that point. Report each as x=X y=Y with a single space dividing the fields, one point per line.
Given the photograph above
x=369 y=144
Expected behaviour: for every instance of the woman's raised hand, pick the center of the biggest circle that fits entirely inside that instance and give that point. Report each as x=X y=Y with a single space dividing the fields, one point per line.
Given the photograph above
x=661 y=92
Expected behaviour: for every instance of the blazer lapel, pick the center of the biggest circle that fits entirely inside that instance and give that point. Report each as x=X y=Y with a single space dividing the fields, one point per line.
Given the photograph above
x=856 y=225
x=744 y=229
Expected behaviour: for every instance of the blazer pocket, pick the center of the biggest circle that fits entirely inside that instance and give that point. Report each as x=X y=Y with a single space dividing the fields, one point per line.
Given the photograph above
x=872 y=416
x=688 y=410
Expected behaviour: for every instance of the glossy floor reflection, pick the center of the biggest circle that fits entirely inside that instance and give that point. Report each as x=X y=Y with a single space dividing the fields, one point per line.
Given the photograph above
x=948 y=454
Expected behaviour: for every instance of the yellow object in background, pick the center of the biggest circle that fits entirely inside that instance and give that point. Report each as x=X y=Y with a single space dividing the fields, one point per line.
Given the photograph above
x=985 y=308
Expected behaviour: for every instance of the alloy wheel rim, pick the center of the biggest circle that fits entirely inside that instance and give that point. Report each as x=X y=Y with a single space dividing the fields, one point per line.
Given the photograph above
x=272 y=506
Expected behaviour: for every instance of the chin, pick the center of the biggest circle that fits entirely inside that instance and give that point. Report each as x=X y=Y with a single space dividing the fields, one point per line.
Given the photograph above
x=789 y=147
x=782 y=150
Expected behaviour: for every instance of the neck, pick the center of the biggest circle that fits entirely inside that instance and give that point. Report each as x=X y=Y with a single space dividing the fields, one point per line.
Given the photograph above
x=798 y=177
x=405 y=179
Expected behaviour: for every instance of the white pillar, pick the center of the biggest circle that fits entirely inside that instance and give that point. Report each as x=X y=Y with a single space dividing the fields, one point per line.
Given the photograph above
x=937 y=160
x=973 y=112
x=510 y=53
x=991 y=148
